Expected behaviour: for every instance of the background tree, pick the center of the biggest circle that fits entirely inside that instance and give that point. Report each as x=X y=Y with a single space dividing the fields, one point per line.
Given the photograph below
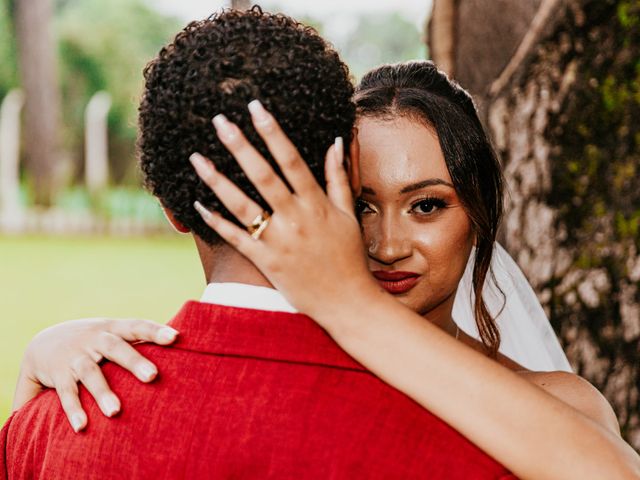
x=39 y=80
x=380 y=38
x=240 y=4
x=441 y=33
x=105 y=46
x=473 y=40
x=563 y=115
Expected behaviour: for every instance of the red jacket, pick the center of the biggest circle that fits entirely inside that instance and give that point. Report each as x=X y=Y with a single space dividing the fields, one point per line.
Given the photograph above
x=243 y=394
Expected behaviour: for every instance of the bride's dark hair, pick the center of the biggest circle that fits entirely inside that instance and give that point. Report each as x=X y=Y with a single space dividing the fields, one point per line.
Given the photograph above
x=419 y=90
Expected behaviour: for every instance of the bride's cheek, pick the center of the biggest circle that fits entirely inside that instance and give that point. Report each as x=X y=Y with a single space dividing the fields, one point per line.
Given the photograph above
x=446 y=247
x=460 y=239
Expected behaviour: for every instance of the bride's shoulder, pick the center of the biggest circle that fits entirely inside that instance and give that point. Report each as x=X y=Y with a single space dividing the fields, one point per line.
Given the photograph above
x=578 y=393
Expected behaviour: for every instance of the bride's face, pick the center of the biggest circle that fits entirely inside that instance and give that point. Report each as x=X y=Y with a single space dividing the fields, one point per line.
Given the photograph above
x=416 y=232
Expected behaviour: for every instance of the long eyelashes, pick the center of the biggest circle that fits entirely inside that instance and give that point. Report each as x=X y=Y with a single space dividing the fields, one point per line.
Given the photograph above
x=428 y=205
x=423 y=206
x=362 y=207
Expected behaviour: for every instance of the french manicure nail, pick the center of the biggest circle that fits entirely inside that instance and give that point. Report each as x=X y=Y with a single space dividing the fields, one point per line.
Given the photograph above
x=202 y=210
x=77 y=420
x=197 y=160
x=223 y=126
x=147 y=372
x=166 y=334
x=110 y=405
x=339 y=145
x=258 y=111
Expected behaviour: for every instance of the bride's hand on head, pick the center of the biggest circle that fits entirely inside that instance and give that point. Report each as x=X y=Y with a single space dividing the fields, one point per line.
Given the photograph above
x=311 y=248
x=62 y=355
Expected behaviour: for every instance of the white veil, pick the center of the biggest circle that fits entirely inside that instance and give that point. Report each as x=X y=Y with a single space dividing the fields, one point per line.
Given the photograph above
x=526 y=335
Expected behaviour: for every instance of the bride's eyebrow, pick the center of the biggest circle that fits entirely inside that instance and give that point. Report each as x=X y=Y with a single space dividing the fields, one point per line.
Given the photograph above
x=425 y=183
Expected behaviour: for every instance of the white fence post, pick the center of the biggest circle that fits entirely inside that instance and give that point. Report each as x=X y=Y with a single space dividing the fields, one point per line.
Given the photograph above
x=11 y=215
x=96 y=146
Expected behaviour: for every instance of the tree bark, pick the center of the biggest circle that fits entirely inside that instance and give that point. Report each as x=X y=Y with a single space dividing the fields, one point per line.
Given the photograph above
x=473 y=40
x=37 y=64
x=488 y=34
x=441 y=35
x=560 y=99
x=565 y=124
x=240 y=4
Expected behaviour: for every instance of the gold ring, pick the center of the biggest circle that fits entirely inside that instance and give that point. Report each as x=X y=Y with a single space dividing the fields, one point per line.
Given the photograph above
x=259 y=224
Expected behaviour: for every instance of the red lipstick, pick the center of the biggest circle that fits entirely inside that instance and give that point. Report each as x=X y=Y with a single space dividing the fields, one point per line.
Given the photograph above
x=396 y=282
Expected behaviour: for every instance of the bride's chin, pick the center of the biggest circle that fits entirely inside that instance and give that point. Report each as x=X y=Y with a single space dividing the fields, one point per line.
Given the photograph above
x=417 y=305
x=430 y=306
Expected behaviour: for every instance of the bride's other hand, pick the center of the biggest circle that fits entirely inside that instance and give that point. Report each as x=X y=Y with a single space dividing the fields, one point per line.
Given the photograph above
x=62 y=355
x=307 y=227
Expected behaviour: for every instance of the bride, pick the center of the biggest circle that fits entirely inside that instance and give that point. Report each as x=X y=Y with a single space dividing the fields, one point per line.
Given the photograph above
x=428 y=211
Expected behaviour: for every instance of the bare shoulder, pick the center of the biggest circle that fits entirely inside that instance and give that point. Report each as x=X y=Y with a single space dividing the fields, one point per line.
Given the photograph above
x=577 y=392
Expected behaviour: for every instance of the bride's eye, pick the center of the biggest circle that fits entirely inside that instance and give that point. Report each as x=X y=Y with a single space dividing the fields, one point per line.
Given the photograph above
x=362 y=208
x=428 y=206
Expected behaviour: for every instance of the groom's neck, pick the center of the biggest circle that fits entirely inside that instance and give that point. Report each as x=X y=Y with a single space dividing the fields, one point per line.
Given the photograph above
x=224 y=263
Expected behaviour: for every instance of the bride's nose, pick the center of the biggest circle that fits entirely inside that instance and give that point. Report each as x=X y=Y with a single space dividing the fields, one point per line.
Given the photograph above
x=386 y=241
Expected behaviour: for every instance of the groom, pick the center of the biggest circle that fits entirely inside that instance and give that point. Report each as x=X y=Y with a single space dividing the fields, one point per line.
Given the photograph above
x=251 y=389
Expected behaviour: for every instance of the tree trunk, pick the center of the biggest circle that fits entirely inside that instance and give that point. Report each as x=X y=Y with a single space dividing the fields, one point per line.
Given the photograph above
x=487 y=35
x=473 y=40
x=561 y=99
x=441 y=35
x=241 y=4
x=37 y=62
x=565 y=122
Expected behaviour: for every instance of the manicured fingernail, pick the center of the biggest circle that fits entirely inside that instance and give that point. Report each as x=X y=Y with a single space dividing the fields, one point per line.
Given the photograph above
x=258 y=112
x=166 y=335
x=110 y=405
x=223 y=127
x=147 y=372
x=202 y=210
x=197 y=160
x=77 y=421
x=339 y=146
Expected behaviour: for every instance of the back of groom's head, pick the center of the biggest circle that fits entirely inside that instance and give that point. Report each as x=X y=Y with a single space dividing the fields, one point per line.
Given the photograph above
x=219 y=65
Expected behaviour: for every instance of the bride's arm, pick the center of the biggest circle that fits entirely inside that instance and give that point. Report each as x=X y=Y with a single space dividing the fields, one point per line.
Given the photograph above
x=530 y=431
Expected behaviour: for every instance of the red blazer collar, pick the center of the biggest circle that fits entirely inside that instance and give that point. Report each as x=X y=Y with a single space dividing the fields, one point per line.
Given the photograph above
x=279 y=336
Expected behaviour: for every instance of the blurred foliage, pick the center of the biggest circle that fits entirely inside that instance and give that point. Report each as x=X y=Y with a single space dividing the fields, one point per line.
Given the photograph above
x=8 y=59
x=381 y=38
x=105 y=46
x=115 y=203
x=366 y=40
x=596 y=188
x=102 y=46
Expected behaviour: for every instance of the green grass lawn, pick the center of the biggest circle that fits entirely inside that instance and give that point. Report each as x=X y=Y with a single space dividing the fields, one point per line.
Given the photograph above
x=46 y=280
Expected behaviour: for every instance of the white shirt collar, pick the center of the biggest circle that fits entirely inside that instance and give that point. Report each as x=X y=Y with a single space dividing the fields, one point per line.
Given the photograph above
x=242 y=295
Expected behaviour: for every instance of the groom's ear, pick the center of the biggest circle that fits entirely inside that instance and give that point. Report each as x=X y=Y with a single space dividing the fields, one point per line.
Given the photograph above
x=353 y=165
x=173 y=221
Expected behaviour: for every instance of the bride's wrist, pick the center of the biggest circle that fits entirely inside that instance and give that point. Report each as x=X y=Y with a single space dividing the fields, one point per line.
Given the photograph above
x=342 y=310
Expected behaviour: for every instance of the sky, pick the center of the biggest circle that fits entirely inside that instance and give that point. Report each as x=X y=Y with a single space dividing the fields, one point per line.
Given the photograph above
x=337 y=15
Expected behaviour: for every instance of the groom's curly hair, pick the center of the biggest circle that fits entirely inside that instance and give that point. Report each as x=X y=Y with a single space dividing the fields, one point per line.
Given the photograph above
x=219 y=65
